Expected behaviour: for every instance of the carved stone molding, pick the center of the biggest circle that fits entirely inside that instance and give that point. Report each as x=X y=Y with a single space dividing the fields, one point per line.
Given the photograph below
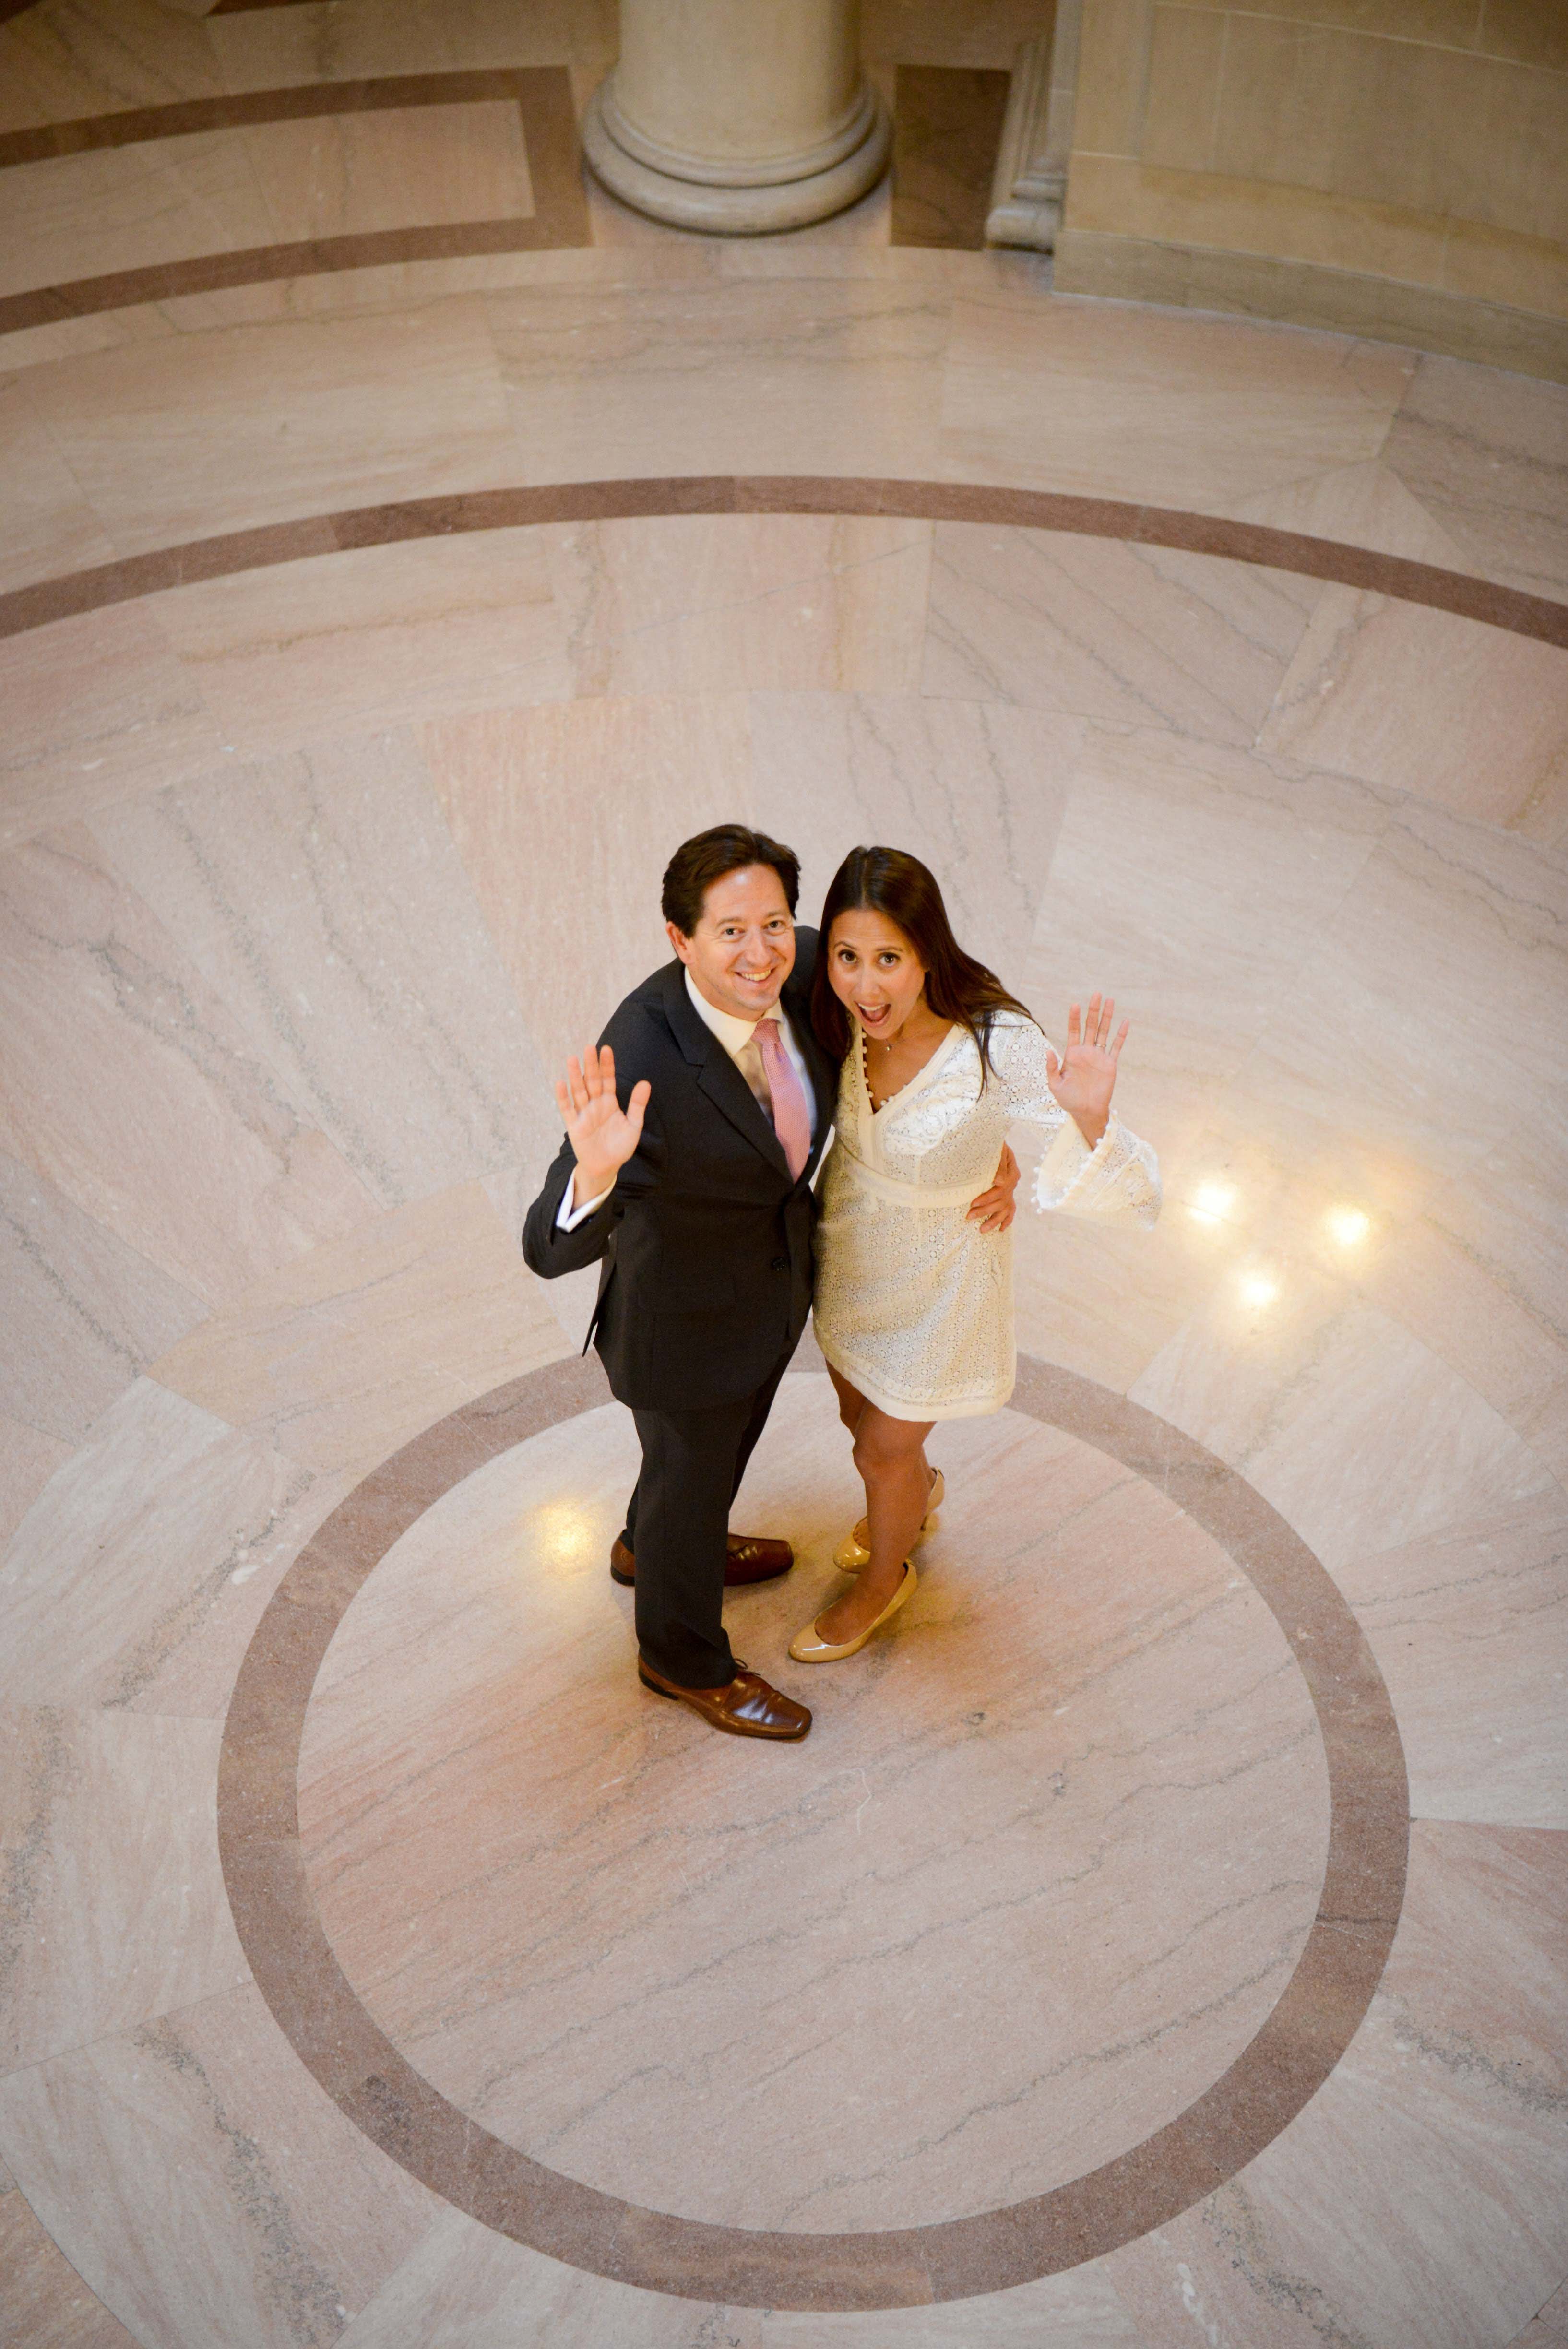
x=1031 y=183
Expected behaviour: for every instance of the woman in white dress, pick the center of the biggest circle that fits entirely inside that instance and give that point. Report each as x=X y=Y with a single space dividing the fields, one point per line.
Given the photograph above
x=913 y=1301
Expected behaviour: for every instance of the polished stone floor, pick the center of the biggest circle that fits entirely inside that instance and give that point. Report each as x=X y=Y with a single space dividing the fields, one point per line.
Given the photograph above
x=1159 y=1942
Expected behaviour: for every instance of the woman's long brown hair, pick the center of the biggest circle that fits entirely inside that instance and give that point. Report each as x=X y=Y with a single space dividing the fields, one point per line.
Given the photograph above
x=888 y=882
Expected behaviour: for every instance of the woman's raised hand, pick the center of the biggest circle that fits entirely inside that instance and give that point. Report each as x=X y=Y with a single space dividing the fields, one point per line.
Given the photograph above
x=1084 y=1077
x=603 y=1135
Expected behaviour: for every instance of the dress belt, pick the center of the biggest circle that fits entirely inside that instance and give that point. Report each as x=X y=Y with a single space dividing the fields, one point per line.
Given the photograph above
x=912 y=1194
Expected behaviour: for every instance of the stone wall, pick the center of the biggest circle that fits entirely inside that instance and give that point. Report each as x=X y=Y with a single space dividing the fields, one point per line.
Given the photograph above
x=1398 y=168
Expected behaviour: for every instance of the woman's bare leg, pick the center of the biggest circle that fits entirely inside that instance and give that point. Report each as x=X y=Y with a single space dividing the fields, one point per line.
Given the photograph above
x=891 y=1455
x=851 y=1404
x=851 y=1401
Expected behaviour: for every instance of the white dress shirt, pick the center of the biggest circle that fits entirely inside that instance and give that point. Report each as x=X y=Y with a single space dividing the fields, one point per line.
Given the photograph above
x=739 y=1039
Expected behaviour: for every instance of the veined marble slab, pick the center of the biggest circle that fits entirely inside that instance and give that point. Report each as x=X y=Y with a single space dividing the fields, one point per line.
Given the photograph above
x=286 y=2219
x=84 y=1313
x=97 y=707
x=322 y=900
x=565 y=818
x=113 y=1910
x=695 y=604
x=1416 y=2203
x=195 y=434
x=130 y=1084
x=137 y=1576
x=358 y=1346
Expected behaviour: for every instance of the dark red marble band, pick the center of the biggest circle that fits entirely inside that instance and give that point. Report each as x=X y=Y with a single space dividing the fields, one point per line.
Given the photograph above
x=732 y=493
x=1286 y=2063
x=297 y=102
x=542 y=94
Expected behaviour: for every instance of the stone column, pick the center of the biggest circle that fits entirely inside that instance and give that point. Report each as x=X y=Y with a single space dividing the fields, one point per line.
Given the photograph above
x=738 y=117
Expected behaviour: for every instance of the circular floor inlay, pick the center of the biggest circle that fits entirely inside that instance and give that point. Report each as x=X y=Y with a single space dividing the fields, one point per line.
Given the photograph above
x=1051 y=1903
x=1042 y=1871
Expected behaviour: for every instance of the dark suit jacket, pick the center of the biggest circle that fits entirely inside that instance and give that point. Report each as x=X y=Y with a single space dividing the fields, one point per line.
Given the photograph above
x=706 y=1241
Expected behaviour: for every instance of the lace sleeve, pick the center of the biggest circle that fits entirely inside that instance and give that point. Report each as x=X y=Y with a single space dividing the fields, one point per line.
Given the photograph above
x=1120 y=1176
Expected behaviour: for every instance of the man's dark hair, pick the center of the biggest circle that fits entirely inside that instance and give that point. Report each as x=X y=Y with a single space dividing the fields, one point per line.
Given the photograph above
x=698 y=863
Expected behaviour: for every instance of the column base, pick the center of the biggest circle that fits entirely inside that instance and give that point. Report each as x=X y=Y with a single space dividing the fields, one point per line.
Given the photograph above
x=737 y=212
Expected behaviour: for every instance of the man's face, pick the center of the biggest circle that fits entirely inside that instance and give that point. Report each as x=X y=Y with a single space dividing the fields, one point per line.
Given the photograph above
x=742 y=949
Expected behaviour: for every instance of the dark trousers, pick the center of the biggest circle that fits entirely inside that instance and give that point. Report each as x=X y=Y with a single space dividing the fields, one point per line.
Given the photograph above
x=675 y=1522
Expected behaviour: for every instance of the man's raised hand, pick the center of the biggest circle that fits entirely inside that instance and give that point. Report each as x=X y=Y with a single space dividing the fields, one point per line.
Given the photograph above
x=603 y=1135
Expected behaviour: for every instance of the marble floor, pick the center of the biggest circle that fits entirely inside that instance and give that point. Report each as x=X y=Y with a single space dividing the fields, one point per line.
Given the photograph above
x=1159 y=1943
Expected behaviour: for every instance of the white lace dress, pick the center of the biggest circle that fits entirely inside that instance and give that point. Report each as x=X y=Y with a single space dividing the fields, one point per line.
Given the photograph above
x=913 y=1302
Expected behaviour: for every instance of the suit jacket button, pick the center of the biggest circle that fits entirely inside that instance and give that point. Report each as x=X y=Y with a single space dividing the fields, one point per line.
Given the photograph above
x=780 y=1264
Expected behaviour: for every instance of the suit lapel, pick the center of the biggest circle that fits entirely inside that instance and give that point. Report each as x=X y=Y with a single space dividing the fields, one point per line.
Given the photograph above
x=717 y=1074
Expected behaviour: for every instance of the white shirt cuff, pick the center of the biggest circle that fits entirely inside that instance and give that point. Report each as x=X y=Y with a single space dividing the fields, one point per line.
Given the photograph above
x=568 y=1218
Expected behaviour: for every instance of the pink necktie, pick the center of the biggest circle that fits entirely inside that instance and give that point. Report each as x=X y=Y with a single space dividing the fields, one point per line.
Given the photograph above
x=791 y=1121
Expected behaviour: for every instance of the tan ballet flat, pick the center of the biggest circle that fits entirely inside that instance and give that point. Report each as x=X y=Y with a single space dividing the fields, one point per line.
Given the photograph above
x=854 y=1551
x=808 y=1647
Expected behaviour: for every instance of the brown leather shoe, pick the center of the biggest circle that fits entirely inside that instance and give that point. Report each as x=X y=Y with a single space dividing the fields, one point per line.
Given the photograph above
x=748 y=1557
x=748 y=1707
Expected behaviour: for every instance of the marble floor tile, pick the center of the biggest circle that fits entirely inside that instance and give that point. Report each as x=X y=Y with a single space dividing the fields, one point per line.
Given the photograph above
x=1046 y=1717
x=1104 y=1299
x=1416 y=2203
x=1080 y=2309
x=917 y=32
x=97 y=707
x=75 y=57
x=397 y=167
x=204 y=433
x=565 y=818
x=1507 y=1335
x=1448 y=951
x=342 y=40
x=84 y=1312
x=1451 y=710
x=397 y=284
x=997 y=272
x=571 y=1295
x=116 y=208
x=322 y=900
x=1192 y=880
x=28 y=1458
x=1118 y=402
x=354 y=1348
x=975 y=790
x=43 y=2301
x=359 y=642
x=835 y=376
x=1140 y=635
x=136 y=1579
x=119 y=1064
x=46 y=526
x=1467 y=1628
x=1484 y=452
x=710 y=604
x=471 y=2289
x=1363 y=505
x=285 y=2220
x=67 y=339
x=1361 y=1439
x=113 y=1910
x=1547 y=2329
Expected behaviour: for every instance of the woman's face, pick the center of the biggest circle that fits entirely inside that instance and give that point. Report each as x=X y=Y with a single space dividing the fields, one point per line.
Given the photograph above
x=875 y=972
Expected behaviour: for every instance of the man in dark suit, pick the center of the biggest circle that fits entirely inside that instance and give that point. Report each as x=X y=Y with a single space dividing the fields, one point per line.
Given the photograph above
x=694 y=1131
